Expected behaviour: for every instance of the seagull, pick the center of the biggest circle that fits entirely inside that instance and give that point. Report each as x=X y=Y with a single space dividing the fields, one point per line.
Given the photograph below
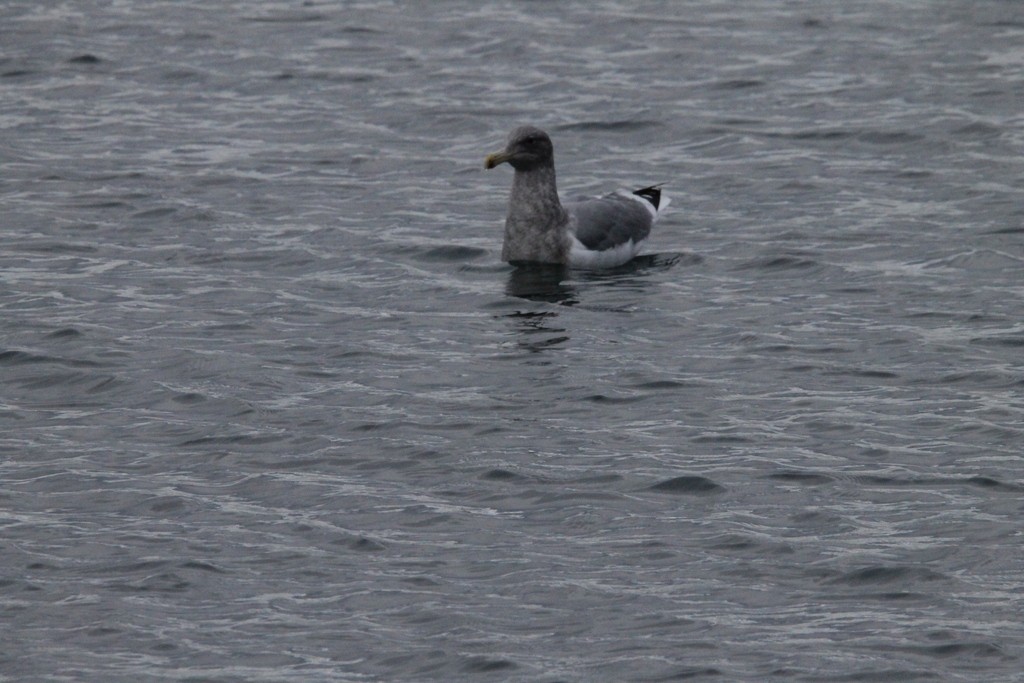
x=587 y=232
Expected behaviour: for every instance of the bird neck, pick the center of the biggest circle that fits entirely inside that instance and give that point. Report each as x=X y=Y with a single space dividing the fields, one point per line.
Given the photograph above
x=534 y=199
x=535 y=228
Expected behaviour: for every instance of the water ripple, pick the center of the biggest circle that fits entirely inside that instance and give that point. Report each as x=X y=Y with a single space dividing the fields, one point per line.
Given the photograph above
x=274 y=409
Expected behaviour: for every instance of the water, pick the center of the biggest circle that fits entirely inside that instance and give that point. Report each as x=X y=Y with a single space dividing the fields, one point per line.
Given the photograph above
x=273 y=410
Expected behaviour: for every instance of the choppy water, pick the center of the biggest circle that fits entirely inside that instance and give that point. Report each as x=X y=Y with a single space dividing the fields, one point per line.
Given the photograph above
x=273 y=410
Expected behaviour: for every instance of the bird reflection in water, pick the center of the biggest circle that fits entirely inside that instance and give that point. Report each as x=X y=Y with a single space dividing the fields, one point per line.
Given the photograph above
x=541 y=282
x=550 y=284
x=544 y=284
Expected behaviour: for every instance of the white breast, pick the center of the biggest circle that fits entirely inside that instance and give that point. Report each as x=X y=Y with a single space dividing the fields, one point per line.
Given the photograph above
x=581 y=257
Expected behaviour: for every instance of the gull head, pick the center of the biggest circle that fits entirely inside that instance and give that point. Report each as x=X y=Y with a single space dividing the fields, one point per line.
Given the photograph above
x=528 y=147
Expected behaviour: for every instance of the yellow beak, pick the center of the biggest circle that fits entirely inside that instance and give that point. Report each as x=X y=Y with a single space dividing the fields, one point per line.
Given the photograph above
x=493 y=160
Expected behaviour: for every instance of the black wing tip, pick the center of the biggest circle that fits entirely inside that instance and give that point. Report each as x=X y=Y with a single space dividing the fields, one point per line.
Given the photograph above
x=651 y=194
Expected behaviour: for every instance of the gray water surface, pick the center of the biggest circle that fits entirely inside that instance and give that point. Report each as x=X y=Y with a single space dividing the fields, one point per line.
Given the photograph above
x=272 y=408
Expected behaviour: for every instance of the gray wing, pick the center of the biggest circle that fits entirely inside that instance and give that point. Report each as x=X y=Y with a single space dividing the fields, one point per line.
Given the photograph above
x=606 y=222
